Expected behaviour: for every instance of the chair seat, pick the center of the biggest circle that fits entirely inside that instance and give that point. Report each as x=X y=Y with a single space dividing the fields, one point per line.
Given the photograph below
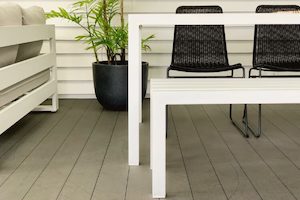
x=278 y=67
x=203 y=68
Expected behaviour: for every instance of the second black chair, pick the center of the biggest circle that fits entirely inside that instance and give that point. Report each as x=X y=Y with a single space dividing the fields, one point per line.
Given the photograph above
x=276 y=49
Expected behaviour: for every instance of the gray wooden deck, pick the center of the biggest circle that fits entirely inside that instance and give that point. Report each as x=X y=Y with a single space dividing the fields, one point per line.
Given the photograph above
x=80 y=153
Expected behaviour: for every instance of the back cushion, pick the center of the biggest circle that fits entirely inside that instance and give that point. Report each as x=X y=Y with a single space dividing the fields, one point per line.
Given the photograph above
x=31 y=16
x=10 y=14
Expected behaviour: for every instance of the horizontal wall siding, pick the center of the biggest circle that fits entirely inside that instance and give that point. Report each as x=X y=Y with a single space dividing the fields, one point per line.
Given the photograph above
x=74 y=62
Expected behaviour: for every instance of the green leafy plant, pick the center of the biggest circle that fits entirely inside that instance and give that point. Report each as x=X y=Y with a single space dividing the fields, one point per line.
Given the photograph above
x=96 y=17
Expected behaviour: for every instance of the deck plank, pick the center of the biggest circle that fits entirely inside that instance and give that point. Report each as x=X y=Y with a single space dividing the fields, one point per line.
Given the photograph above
x=51 y=181
x=25 y=145
x=112 y=180
x=24 y=127
x=284 y=121
x=202 y=175
x=81 y=182
x=286 y=171
x=233 y=178
x=19 y=130
x=265 y=181
x=30 y=169
x=278 y=137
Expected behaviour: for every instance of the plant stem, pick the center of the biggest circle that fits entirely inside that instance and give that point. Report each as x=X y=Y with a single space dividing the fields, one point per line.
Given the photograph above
x=122 y=12
x=122 y=25
x=90 y=32
x=105 y=29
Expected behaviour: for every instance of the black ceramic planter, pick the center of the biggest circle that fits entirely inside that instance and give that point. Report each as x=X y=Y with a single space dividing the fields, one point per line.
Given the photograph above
x=111 y=84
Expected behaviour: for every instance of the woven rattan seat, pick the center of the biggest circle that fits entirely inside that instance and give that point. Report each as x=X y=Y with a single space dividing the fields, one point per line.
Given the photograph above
x=200 y=48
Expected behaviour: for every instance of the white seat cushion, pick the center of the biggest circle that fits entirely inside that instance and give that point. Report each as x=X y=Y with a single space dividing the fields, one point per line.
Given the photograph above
x=10 y=14
x=31 y=16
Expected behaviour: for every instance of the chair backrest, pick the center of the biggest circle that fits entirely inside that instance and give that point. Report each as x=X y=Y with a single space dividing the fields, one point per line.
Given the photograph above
x=277 y=45
x=199 y=45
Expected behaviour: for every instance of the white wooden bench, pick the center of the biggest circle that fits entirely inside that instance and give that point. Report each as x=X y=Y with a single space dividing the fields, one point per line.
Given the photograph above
x=207 y=91
x=21 y=71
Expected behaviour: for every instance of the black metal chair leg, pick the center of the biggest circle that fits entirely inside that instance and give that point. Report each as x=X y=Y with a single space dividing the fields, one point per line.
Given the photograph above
x=244 y=131
x=257 y=133
x=167 y=107
x=259 y=120
x=245 y=114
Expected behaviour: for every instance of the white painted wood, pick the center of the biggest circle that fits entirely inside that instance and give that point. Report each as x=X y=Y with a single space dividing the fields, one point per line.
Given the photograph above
x=232 y=19
x=134 y=92
x=169 y=6
x=18 y=109
x=158 y=145
x=22 y=34
x=207 y=91
x=136 y=21
x=76 y=96
x=227 y=91
x=54 y=98
x=76 y=87
x=17 y=72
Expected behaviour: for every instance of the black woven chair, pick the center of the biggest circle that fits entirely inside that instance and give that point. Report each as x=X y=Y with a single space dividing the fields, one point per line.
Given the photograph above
x=276 y=49
x=202 y=49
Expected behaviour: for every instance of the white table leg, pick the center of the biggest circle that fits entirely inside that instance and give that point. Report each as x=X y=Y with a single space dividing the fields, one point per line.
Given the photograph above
x=152 y=118
x=134 y=92
x=158 y=148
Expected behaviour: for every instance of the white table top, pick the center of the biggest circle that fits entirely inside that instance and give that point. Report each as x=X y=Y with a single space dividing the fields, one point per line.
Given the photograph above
x=232 y=84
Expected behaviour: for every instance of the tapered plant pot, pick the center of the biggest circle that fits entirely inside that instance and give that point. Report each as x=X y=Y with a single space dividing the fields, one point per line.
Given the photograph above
x=111 y=84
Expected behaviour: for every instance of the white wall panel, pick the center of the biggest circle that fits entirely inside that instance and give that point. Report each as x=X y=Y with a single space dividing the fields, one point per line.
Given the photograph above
x=75 y=87
x=232 y=33
x=85 y=60
x=75 y=74
x=153 y=6
x=74 y=62
x=157 y=46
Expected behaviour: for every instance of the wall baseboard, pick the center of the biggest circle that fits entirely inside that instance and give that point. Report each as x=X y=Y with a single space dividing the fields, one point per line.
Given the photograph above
x=77 y=96
x=84 y=96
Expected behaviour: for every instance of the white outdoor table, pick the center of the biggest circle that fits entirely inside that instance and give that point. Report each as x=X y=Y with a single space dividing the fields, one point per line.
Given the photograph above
x=136 y=21
x=207 y=91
